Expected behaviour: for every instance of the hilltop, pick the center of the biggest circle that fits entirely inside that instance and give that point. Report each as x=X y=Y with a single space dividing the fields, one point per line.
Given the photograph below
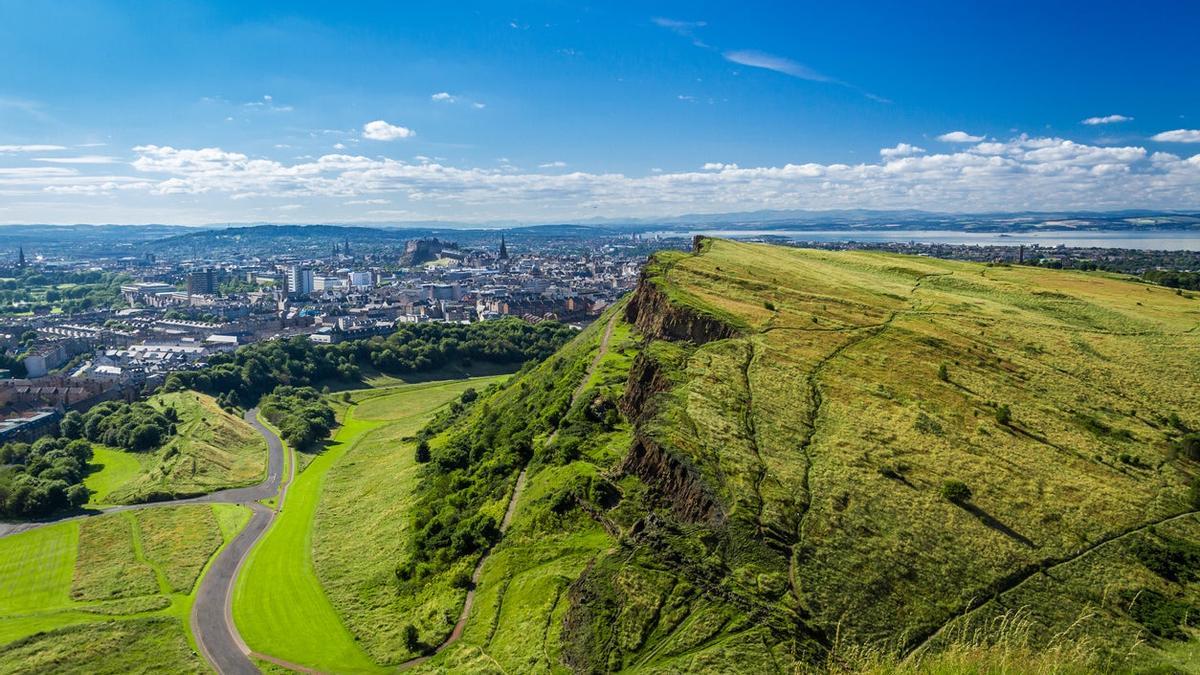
x=790 y=457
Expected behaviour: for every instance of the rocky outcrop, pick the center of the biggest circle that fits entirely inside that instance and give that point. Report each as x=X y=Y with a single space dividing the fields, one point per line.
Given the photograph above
x=647 y=378
x=680 y=485
x=653 y=313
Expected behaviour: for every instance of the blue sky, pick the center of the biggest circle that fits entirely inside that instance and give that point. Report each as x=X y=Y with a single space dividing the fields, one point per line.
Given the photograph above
x=198 y=112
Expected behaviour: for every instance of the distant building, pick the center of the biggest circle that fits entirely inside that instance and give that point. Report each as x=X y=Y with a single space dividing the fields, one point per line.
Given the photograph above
x=203 y=282
x=299 y=281
x=503 y=249
x=360 y=279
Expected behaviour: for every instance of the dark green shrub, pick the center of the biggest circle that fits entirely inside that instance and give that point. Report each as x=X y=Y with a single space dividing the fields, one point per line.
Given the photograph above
x=956 y=491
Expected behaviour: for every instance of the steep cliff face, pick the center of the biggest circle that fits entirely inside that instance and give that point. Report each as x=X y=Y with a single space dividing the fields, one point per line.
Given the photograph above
x=647 y=377
x=653 y=313
x=680 y=485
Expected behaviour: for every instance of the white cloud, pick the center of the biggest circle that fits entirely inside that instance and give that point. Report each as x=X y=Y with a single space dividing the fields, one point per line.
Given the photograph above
x=1107 y=119
x=552 y=165
x=382 y=131
x=339 y=146
x=1020 y=173
x=31 y=148
x=443 y=96
x=267 y=104
x=367 y=202
x=1178 y=136
x=779 y=64
x=82 y=159
x=959 y=137
x=290 y=207
x=478 y=106
x=900 y=150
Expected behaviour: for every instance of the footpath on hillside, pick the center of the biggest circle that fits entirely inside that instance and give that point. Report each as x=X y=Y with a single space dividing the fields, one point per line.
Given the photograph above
x=461 y=624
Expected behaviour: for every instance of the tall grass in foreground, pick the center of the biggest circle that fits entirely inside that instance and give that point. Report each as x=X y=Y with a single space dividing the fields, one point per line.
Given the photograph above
x=998 y=646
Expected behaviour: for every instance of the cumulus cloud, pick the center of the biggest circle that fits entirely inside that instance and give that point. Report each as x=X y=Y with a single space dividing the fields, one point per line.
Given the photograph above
x=959 y=137
x=1107 y=119
x=443 y=96
x=382 y=131
x=900 y=150
x=1178 y=136
x=552 y=165
x=31 y=148
x=1020 y=173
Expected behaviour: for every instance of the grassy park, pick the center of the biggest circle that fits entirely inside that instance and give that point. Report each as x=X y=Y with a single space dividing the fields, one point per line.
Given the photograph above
x=213 y=450
x=75 y=589
x=297 y=596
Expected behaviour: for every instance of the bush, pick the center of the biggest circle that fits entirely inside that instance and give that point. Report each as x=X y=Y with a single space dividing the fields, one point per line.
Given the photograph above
x=422 y=453
x=1003 y=415
x=943 y=373
x=956 y=491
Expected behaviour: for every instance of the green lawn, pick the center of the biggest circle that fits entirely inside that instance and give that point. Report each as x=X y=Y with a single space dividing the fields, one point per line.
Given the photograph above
x=280 y=606
x=87 y=580
x=361 y=523
x=110 y=469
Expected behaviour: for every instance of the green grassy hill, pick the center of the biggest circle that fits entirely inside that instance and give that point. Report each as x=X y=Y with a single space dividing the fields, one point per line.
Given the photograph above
x=212 y=450
x=842 y=459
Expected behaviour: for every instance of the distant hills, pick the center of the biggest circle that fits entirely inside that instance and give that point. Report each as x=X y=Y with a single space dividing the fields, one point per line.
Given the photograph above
x=115 y=239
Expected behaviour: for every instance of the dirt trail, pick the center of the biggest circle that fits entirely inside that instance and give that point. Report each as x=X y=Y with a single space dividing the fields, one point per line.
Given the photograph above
x=461 y=624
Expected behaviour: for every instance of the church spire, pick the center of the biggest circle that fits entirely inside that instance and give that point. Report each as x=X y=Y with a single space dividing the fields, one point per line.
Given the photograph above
x=503 y=249
x=21 y=256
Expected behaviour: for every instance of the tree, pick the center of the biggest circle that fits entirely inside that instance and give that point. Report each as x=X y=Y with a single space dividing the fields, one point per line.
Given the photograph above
x=145 y=437
x=71 y=425
x=422 y=454
x=412 y=639
x=943 y=373
x=77 y=495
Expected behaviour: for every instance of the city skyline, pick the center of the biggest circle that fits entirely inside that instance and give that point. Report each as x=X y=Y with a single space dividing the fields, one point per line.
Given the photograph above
x=199 y=113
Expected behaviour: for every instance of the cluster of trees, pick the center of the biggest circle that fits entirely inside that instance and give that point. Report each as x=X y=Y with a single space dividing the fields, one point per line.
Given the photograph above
x=1173 y=279
x=44 y=477
x=475 y=462
x=251 y=372
x=300 y=413
x=131 y=426
x=81 y=291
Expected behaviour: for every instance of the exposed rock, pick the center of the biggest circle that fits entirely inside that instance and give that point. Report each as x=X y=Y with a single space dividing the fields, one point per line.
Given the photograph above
x=653 y=313
x=680 y=485
x=646 y=378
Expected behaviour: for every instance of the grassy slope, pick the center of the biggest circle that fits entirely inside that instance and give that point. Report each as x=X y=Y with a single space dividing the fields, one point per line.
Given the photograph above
x=280 y=575
x=86 y=581
x=825 y=434
x=212 y=450
x=516 y=622
x=872 y=556
x=361 y=521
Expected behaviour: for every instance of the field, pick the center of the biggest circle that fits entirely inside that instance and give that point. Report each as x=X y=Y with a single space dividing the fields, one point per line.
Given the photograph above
x=282 y=603
x=74 y=589
x=213 y=450
x=111 y=469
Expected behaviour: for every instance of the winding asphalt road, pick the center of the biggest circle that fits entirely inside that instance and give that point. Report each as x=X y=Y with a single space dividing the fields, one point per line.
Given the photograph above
x=212 y=617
